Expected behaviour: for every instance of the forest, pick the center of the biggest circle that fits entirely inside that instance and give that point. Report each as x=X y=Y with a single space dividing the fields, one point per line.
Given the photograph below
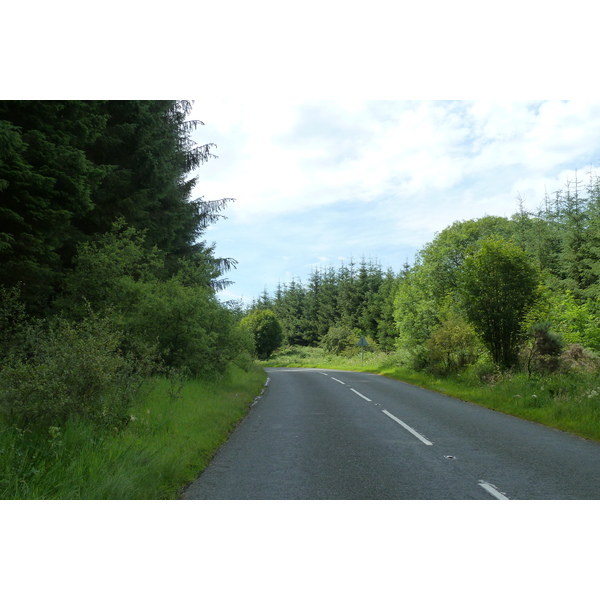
x=108 y=293
x=102 y=257
x=518 y=294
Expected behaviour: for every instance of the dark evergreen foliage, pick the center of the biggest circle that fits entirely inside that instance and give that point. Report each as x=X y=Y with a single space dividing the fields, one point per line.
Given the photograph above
x=47 y=182
x=70 y=169
x=349 y=298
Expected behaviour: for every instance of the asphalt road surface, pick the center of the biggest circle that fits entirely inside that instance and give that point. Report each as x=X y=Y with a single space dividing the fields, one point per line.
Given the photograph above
x=325 y=434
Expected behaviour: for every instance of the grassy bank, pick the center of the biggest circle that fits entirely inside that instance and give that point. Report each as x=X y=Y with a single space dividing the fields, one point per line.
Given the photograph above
x=570 y=402
x=173 y=433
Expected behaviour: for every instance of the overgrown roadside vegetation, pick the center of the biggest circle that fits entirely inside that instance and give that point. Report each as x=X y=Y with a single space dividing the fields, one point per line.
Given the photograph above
x=174 y=427
x=567 y=401
x=121 y=372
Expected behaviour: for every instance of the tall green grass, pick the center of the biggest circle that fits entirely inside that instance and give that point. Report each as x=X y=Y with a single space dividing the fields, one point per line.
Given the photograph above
x=174 y=430
x=568 y=401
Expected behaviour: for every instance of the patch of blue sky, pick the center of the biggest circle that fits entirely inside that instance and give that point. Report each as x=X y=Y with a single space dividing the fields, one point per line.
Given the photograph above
x=323 y=181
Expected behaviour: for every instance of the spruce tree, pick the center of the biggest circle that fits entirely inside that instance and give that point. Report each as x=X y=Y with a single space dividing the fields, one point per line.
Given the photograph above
x=47 y=183
x=69 y=170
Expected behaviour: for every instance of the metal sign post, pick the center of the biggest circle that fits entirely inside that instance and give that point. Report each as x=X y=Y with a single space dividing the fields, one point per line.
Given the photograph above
x=362 y=343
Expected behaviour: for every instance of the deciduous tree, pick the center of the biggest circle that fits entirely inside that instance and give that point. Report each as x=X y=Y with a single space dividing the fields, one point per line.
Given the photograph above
x=266 y=330
x=498 y=284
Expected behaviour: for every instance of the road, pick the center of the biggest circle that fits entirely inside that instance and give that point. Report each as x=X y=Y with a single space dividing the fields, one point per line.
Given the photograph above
x=326 y=434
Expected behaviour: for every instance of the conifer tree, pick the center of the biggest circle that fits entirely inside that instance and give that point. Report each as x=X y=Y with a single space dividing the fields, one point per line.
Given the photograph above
x=69 y=170
x=47 y=183
x=328 y=312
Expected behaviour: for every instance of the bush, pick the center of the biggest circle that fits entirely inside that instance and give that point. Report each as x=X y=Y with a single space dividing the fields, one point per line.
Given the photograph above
x=579 y=359
x=543 y=353
x=266 y=331
x=62 y=369
x=117 y=276
x=485 y=371
x=453 y=346
x=193 y=331
x=417 y=357
x=337 y=340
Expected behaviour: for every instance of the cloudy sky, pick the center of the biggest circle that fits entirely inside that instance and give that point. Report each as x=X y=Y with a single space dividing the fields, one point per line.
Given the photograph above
x=319 y=182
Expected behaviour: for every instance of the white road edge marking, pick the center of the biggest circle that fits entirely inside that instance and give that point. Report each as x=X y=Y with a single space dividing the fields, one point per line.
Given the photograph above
x=488 y=487
x=261 y=392
x=338 y=381
x=359 y=394
x=416 y=434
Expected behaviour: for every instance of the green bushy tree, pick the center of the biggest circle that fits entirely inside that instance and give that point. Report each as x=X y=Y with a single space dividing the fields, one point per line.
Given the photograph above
x=179 y=314
x=498 y=285
x=337 y=340
x=452 y=346
x=266 y=331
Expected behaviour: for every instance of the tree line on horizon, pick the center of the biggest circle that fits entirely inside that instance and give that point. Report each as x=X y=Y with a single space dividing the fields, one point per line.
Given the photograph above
x=355 y=296
x=515 y=292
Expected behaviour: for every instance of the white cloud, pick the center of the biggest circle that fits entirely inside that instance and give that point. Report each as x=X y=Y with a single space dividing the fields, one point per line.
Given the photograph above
x=297 y=156
x=316 y=179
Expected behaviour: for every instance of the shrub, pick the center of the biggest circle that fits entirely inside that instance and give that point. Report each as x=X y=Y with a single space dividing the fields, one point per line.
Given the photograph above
x=417 y=357
x=116 y=275
x=64 y=369
x=579 y=359
x=453 y=346
x=543 y=352
x=266 y=331
x=485 y=371
x=337 y=340
x=193 y=331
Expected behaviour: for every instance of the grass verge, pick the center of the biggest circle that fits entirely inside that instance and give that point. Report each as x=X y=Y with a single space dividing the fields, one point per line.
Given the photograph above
x=570 y=402
x=174 y=431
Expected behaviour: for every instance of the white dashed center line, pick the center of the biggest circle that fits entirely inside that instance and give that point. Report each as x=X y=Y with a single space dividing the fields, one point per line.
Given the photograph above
x=359 y=394
x=488 y=487
x=410 y=429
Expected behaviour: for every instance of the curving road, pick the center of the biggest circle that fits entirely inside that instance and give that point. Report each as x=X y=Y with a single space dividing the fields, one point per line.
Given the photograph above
x=325 y=434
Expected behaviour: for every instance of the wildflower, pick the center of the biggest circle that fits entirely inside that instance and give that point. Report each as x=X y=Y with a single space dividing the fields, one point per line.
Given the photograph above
x=133 y=418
